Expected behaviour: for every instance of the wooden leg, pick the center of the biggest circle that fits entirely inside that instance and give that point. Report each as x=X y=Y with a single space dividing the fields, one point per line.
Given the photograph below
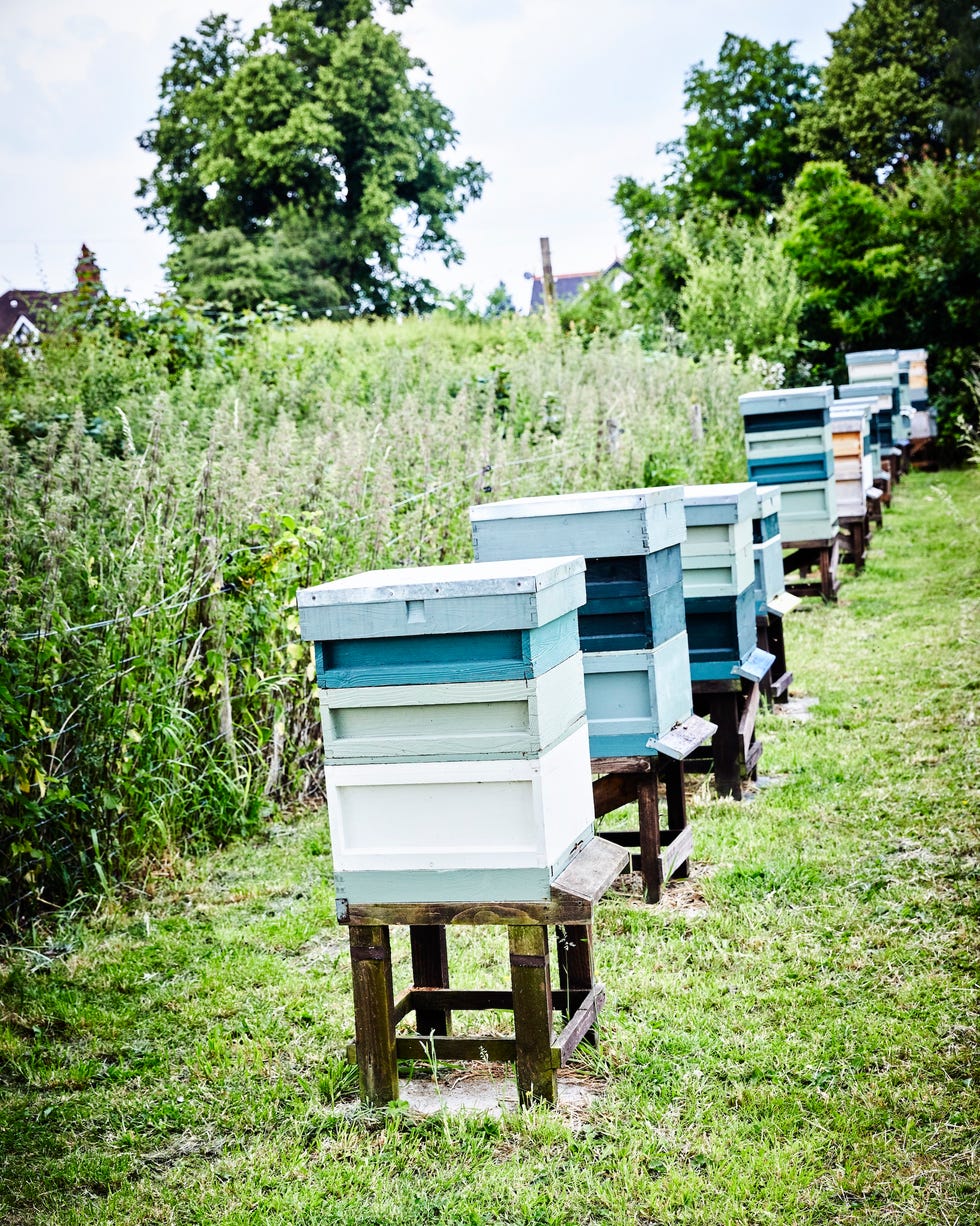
x=648 y=805
x=374 y=1014
x=673 y=773
x=430 y=969
x=777 y=645
x=575 y=967
x=826 y=574
x=725 y=745
x=531 y=985
x=762 y=642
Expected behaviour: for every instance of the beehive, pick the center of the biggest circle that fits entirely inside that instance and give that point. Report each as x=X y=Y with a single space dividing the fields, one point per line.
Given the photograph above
x=767 y=549
x=853 y=464
x=719 y=580
x=789 y=443
x=453 y=710
x=881 y=417
x=632 y=627
x=872 y=365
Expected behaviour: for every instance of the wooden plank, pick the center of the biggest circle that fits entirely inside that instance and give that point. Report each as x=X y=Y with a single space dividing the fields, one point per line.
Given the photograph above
x=673 y=776
x=748 y=717
x=592 y=871
x=726 y=744
x=612 y=792
x=681 y=741
x=580 y=1027
x=648 y=805
x=622 y=766
x=560 y=909
x=576 y=971
x=430 y=969
x=753 y=756
x=485 y=1048
x=783 y=603
x=374 y=1014
x=676 y=852
x=531 y=983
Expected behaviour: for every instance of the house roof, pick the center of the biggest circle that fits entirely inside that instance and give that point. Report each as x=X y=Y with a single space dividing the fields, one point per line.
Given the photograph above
x=31 y=304
x=567 y=285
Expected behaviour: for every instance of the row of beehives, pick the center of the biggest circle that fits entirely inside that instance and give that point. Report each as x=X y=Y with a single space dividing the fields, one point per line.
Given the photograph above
x=826 y=454
x=463 y=705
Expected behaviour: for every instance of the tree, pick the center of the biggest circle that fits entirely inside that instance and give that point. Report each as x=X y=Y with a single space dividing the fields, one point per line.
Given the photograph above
x=901 y=85
x=740 y=149
x=841 y=238
x=321 y=116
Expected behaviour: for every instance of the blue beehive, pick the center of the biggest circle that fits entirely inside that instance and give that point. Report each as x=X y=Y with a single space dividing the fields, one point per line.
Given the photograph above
x=632 y=626
x=767 y=548
x=789 y=443
x=453 y=707
x=719 y=582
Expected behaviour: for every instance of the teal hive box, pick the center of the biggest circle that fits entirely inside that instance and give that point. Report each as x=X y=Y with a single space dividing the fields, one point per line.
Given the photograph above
x=436 y=624
x=635 y=697
x=767 y=547
x=451 y=777
x=632 y=627
x=719 y=578
x=785 y=408
x=808 y=512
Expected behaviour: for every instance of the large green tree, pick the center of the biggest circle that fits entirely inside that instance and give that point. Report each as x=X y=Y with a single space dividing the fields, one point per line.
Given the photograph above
x=902 y=85
x=319 y=141
x=740 y=147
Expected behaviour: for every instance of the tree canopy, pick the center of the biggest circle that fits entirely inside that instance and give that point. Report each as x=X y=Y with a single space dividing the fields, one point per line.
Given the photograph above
x=318 y=141
x=902 y=85
x=740 y=148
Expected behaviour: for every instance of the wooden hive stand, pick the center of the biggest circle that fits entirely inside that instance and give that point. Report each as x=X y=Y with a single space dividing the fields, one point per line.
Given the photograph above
x=770 y=637
x=875 y=498
x=806 y=556
x=854 y=536
x=733 y=757
x=661 y=853
x=536 y=1048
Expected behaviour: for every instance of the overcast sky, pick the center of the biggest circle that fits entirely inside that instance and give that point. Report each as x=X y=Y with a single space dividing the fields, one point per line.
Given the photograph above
x=556 y=97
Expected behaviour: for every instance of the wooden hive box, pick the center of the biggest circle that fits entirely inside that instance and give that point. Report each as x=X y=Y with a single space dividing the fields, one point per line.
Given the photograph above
x=872 y=365
x=767 y=548
x=789 y=408
x=719 y=577
x=852 y=455
x=457 y=754
x=879 y=414
x=918 y=360
x=717 y=554
x=632 y=627
x=808 y=513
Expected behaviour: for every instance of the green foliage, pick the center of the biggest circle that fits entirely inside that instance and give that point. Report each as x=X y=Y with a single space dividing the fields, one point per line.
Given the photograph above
x=740 y=149
x=296 y=152
x=841 y=237
x=901 y=86
x=936 y=211
x=742 y=292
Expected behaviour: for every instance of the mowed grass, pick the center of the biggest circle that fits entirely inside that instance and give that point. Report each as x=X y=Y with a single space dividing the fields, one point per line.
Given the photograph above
x=791 y=1040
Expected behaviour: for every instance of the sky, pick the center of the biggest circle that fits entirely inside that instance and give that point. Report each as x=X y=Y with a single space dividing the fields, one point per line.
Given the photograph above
x=557 y=98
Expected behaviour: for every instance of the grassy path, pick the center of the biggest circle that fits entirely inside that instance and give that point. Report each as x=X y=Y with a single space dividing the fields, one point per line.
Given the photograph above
x=792 y=1040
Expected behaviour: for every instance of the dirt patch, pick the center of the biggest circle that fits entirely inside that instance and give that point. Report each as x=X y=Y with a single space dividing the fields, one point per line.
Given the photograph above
x=492 y=1090
x=796 y=708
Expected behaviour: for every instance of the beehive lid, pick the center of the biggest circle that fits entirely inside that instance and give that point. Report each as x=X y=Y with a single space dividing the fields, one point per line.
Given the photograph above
x=598 y=524
x=461 y=598
x=725 y=503
x=781 y=400
x=857 y=391
x=847 y=415
x=914 y=355
x=871 y=357
x=768 y=499
x=577 y=504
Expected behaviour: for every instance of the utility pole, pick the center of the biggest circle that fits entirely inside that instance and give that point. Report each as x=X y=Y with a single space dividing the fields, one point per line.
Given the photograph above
x=548 y=278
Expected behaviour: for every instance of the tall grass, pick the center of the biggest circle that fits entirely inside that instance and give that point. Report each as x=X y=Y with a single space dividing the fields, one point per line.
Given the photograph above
x=153 y=690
